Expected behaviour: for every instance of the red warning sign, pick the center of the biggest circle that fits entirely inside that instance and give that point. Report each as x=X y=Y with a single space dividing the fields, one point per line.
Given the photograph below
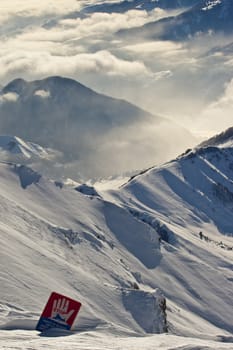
x=59 y=312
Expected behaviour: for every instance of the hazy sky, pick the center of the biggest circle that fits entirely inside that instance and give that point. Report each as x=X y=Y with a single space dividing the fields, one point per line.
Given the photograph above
x=181 y=81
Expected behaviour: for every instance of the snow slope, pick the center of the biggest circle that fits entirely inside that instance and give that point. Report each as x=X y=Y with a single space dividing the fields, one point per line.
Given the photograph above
x=119 y=252
x=55 y=238
x=192 y=194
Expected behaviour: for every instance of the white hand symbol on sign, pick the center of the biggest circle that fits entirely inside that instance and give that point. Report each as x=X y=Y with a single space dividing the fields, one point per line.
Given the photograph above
x=59 y=310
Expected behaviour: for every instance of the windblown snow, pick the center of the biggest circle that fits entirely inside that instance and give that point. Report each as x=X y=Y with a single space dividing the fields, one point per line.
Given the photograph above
x=166 y=233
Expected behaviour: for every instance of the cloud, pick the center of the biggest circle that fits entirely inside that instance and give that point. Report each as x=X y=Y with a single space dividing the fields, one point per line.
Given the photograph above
x=217 y=116
x=162 y=74
x=74 y=46
x=14 y=9
x=55 y=22
x=133 y=150
x=42 y=93
x=105 y=23
x=103 y=62
x=69 y=47
x=9 y=97
x=164 y=47
x=68 y=31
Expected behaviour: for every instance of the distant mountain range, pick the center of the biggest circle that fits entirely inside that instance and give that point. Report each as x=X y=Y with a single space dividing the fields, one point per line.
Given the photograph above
x=148 y=5
x=205 y=17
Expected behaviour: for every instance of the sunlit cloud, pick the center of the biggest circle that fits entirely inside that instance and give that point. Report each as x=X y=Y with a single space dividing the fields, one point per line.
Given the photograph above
x=166 y=52
x=111 y=22
x=72 y=45
x=162 y=74
x=164 y=47
x=218 y=114
x=9 y=97
x=104 y=62
x=15 y=9
x=42 y=93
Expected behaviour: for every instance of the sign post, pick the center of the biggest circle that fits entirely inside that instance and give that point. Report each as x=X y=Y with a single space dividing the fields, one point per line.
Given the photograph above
x=59 y=312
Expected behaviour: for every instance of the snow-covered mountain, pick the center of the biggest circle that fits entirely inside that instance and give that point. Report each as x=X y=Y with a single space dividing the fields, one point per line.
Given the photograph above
x=86 y=127
x=167 y=232
x=54 y=237
x=148 y=5
x=206 y=17
x=189 y=202
x=15 y=147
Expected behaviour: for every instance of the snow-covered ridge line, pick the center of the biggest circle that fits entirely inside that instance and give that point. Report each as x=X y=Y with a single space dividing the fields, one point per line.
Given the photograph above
x=224 y=139
x=192 y=196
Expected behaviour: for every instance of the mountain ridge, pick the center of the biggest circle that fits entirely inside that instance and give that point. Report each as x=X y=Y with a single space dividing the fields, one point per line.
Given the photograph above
x=225 y=137
x=147 y=5
x=204 y=18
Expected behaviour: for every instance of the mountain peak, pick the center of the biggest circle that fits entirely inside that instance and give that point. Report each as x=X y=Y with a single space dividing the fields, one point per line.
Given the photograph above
x=17 y=85
x=59 y=80
x=55 y=83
